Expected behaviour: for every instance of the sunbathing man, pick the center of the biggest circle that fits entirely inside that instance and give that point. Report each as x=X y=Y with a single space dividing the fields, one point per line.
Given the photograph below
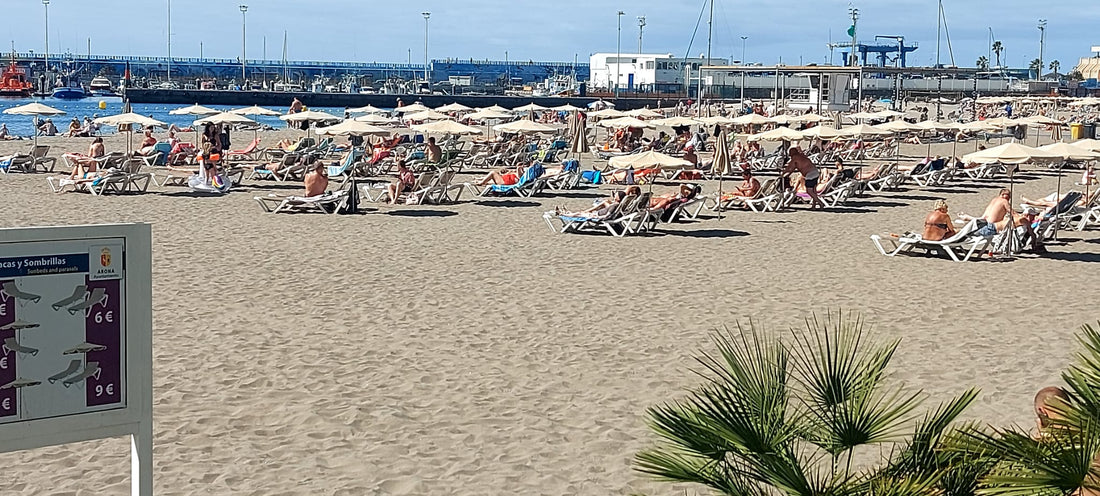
x=810 y=174
x=434 y=153
x=147 y=143
x=748 y=189
x=937 y=225
x=1046 y=401
x=85 y=164
x=506 y=177
x=316 y=181
x=405 y=181
x=1050 y=201
x=685 y=193
x=603 y=207
x=998 y=215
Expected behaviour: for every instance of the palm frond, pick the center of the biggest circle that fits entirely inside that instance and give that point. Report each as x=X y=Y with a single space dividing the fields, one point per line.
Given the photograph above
x=1057 y=464
x=923 y=453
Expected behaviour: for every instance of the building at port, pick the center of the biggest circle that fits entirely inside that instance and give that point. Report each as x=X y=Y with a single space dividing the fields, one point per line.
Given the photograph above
x=645 y=72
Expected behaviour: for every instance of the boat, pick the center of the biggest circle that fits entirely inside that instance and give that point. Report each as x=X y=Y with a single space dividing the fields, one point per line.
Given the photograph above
x=68 y=88
x=13 y=81
x=101 y=86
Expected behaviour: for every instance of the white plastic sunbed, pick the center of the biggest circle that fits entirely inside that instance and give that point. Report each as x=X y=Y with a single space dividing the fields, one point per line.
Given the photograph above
x=960 y=247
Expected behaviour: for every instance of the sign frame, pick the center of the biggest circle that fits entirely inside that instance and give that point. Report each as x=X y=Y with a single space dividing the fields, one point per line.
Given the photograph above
x=135 y=418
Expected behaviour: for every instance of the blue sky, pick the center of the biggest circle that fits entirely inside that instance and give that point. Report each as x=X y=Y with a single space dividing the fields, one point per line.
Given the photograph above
x=363 y=30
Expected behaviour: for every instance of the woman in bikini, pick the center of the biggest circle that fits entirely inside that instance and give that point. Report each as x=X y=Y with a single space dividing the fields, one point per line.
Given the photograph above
x=86 y=164
x=937 y=226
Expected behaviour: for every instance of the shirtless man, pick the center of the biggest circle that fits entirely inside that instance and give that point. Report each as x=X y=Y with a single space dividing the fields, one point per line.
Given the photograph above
x=434 y=153
x=1045 y=399
x=748 y=188
x=810 y=174
x=316 y=181
x=998 y=214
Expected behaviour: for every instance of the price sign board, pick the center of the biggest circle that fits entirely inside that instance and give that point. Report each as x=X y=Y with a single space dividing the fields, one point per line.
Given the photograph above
x=76 y=338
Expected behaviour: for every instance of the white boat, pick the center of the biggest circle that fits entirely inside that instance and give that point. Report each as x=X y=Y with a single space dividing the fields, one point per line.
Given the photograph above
x=101 y=86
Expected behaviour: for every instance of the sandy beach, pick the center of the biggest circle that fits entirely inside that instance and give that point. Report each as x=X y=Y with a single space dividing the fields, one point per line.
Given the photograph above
x=466 y=349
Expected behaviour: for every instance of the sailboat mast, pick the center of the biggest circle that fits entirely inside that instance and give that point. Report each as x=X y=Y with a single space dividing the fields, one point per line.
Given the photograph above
x=710 y=31
x=286 y=72
x=939 y=30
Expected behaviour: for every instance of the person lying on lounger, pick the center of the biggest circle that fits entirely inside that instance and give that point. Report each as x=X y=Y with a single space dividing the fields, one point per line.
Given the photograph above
x=603 y=207
x=84 y=164
x=998 y=215
x=749 y=187
x=316 y=181
x=685 y=193
x=937 y=225
x=505 y=176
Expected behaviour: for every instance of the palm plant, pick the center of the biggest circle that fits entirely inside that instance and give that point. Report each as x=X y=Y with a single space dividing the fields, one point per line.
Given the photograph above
x=998 y=48
x=787 y=416
x=1037 y=66
x=982 y=63
x=1062 y=460
x=1054 y=66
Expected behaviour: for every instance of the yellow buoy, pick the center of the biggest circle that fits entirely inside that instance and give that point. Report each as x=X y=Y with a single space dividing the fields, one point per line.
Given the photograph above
x=102 y=105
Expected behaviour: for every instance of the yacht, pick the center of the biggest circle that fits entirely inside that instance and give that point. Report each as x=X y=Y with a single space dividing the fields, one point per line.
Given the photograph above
x=68 y=88
x=101 y=86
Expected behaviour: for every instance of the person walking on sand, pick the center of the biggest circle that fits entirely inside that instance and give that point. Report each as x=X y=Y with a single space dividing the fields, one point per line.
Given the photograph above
x=810 y=174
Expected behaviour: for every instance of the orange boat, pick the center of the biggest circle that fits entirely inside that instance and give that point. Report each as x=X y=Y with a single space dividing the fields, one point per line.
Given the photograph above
x=13 y=81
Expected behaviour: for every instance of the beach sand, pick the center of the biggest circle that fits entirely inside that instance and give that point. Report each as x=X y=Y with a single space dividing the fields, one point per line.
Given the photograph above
x=466 y=349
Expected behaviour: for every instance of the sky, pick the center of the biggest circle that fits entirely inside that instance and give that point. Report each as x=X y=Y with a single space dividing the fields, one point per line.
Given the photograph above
x=556 y=30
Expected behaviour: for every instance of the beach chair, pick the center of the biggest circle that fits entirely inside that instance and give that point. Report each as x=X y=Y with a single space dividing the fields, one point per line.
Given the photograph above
x=345 y=169
x=20 y=383
x=737 y=202
x=74 y=366
x=884 y=178
x=11 y=290
x=839 y=195
x=769 y=195
x=249 y=153
x=327 y=203
x=274 y=154
x=11 y=345
x=19 y=325
x=576 y=223
x=98 y=296
x=960 y=247
x=29 y=162
x=91 y=369
x=84 y=348
x=1058 y=217
x=522 y=186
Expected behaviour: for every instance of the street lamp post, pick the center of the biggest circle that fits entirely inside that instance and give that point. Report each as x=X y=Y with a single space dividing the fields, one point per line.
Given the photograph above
x=641 y=28
x=427 y=79
x=169 y=76
x=618 y=52
x=244 y=44
x=1042 y=40
x=46 y=71
x=743 y=64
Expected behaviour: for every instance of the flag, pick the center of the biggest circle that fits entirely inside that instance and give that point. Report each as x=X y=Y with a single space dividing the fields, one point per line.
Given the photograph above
x=852 y=30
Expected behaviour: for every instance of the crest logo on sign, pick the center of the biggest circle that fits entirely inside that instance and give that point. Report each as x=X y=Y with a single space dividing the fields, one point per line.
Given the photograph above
x=105 y=257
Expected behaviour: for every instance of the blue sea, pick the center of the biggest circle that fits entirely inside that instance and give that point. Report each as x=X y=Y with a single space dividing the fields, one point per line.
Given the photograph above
x=22 y=125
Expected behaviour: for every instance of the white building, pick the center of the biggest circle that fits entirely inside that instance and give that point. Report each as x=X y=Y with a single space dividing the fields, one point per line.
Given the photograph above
x=645 y=72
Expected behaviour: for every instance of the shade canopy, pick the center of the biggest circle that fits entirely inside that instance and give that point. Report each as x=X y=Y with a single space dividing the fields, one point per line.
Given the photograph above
x=783 y=119
x=811 y=117
x=195 y=109
x=750 y=119
x=1088 y=144
x=411 y=109
x=898 y=127
x=489 y=114
x=453 y=107
x=255 y=110
x=676 y=121
x=374 y=119
x=565 y=108
x=717 y=119
x=1009 y=153
x=1003 y=122
x=225 y=118
x=627 y=122
x=367 y=109
x=446 y=127
x=34 y=109
x=352 y=127
x=1041 y=120
x=977 y=126
x=1070 y=151
x=309 y=116
x=524 y=126
x=777 y=134
x=864 y=131
x=606 y=113
x=529 y=107
x=128 y=118
x=644 y=113
x=823 y=132
x=427 y=115
x=647 y=159
x=931 y=125
x=496 y=108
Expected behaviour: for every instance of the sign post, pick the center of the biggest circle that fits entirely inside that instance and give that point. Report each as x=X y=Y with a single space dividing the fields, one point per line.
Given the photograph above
x=76 y=339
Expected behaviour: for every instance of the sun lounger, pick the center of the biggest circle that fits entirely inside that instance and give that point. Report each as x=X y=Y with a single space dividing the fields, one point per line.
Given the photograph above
x=90 y=370
x=84 y=347
x=10 y=289
x=960 y=247
x=20 y=383
x=10 y=344
x=523 y=186
x=98 y=296
x=327 y=203
x=19 y=325
x=29 y=162
x=249 y=152
x=74 y=366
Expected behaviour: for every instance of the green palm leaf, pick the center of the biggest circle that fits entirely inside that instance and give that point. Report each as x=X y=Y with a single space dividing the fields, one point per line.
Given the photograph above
x=1059 y=464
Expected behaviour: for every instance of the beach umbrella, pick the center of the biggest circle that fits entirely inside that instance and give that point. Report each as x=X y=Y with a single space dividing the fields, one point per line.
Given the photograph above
x=309 y=116
x=36 y=109
x=530 y=107
x=488 y=114
x=1009 y=153
x=777 y=134
x=809 y=118
x=1088 y=144
x=426 y=115
x=627 y=122
x=647 y=159
x=1002 y=122
x=823 y=132
x=496 y=108
x=524 y=126
x=566 y=108
x=931 y=125
x=131 y=119
x=580 y=136
x=446 y=127
x=225 y=118
x=195 y=109
x=606 y=113
x=352 y=128
x=411 y=109
x=886 y=114
x=367 y=109
x=255 y=110
x=898 y=127
x=862 y=115
x=783 y=119
x=718 y=119
x=750 y=119
x=723 y=162
x=1041 y=120
x=977 y=126
x=374 y=119
x=1070 y=152
x=453 y=107
x=644 y=113
x=863 y=131
x=675 y=122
